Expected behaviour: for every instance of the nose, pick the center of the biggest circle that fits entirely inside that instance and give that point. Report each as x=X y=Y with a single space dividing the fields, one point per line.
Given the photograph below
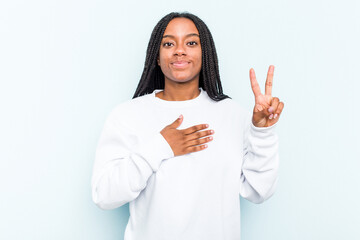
x=179 y=50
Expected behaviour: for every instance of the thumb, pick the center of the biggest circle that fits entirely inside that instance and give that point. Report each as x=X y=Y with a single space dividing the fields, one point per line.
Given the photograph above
x=259 y=118
x=177 y=122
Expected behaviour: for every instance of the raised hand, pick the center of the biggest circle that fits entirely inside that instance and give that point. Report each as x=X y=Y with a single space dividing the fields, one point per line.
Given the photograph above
x=267 y=109
x=186 y=140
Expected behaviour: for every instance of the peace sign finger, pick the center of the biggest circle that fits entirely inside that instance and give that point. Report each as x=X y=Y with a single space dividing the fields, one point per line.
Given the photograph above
x=254 y=84
x=269 y=80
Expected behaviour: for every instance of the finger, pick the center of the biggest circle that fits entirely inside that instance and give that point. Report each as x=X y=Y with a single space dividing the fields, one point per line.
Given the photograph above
x=258 y=108
x=199 y=141
x=279 y=110
x=273 y=107
x=254 y=84
x=269 y=80
x=195 y=128
x=196 y=148
x=198 y=134
x=177 y=122
x=259 y=117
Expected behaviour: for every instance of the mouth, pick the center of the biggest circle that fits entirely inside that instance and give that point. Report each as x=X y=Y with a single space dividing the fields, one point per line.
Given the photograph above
x=180 y=64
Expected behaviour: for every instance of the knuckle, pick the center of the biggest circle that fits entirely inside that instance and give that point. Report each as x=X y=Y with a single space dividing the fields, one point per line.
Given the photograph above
x=191 y=149
x=183 y=138
x=185 y=149
x=201 y=134
x=190 y=129
x=197 y=128
x=195 y=149
x=280 y=108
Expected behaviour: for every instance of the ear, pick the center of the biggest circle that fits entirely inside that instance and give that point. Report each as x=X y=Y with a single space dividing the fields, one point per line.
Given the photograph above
x=158 y=61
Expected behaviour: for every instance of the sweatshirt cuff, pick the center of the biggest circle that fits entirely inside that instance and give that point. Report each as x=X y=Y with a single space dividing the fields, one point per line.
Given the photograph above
x=262 y=131
x=155 y=150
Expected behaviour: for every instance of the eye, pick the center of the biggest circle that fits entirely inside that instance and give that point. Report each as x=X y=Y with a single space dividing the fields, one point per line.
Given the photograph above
x=167 y=44
x=192 y=43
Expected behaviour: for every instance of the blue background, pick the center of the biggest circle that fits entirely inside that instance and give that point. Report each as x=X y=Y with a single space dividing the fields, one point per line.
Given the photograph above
x=65 y=64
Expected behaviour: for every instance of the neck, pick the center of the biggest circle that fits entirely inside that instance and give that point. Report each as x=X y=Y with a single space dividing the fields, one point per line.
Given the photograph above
x=179 y=92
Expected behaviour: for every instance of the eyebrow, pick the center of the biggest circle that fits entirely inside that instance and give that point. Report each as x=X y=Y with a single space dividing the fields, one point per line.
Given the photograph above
x=188 y=35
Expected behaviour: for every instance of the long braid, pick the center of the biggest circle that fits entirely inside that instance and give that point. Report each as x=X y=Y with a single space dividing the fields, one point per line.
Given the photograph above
x=152 y=77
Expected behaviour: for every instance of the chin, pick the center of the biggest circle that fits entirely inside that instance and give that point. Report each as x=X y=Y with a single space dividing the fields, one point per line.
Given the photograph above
x=181 y=78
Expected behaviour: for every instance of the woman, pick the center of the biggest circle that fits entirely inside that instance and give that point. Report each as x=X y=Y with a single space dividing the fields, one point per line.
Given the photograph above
x=183 y=177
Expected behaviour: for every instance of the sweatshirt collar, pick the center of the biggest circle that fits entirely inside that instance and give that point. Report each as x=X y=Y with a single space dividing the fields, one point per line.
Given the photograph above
x=175 y=104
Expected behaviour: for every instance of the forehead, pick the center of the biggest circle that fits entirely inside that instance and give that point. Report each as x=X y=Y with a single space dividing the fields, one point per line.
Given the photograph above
x=180 y=26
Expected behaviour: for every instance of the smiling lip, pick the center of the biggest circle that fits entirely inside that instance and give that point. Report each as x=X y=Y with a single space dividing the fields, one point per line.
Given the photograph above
x=180 y=64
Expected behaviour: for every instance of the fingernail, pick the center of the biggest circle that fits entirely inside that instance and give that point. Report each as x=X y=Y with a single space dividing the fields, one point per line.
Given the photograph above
x=212 y=131
x=180 y=116
x=271 y=116
x=271 y=109
x=207 y=125
x=275 y=116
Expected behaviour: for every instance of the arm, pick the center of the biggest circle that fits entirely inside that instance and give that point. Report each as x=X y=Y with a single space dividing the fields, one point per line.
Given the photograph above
x=259 y=174
x=123 y=164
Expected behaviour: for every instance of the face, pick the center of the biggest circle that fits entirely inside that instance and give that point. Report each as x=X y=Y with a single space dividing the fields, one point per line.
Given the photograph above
x=180 y=51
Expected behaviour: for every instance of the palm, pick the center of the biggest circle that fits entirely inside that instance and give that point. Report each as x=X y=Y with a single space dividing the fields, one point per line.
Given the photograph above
x=266 y=109
x=261 y=102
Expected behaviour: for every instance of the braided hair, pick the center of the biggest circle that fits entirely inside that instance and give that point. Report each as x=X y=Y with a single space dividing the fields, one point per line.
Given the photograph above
x=153 y=78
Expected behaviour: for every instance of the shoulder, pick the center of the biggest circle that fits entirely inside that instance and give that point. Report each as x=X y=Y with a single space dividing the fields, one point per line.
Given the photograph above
x=127 y=109
x=232 y=105
x=232 y=108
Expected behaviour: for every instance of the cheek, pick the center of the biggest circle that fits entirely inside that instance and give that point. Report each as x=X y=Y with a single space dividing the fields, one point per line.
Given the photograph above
x=164 y=64
x=197 y=53
x=164 y=54
x=199 y=59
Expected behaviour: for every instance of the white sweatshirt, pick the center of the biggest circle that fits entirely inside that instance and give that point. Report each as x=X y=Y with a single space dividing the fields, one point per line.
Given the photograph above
x=190 y=197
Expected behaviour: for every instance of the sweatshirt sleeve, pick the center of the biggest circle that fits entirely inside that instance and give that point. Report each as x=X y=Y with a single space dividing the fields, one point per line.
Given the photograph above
x=259 y=173
x=124 y=163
